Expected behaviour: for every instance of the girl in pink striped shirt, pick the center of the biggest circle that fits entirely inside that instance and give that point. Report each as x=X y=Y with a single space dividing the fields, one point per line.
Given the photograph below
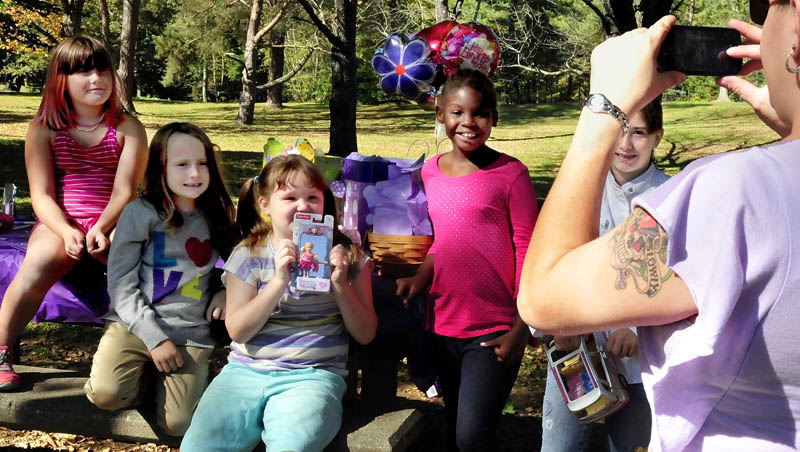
x=85 y=158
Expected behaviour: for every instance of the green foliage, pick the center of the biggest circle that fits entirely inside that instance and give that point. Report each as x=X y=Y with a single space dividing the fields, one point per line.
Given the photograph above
x=29 y=28
x=545 y=45
x=196 y=38
x=27 y=69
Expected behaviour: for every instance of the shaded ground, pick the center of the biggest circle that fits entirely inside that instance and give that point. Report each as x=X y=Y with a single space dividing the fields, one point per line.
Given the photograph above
x=71 y=347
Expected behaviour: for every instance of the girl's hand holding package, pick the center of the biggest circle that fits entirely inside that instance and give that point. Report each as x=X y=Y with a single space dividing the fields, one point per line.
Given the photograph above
x=340 y=264
x=166 y=357
x=623 y=342
x=567 y=343
x=285 y=257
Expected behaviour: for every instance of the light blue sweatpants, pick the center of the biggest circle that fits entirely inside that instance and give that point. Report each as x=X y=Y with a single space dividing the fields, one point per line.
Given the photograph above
x=299 y=410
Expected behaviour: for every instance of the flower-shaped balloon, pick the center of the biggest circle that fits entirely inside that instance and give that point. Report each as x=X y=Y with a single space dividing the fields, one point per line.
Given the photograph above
x=404 y=65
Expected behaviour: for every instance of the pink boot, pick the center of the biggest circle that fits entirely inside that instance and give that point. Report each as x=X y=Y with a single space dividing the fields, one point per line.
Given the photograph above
x=9 y=380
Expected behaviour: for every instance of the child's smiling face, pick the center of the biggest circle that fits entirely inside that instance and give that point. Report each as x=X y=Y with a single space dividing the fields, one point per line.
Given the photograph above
x=467 y=121
x=91 y=88
x=298 y=195
x=634 y=150
x=186 y=169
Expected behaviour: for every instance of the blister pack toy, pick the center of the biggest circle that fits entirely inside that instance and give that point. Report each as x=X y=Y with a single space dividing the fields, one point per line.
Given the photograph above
x=313 y=238
x=587 y=379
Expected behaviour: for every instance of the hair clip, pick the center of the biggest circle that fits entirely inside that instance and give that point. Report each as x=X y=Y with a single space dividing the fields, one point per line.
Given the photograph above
x=255 y=179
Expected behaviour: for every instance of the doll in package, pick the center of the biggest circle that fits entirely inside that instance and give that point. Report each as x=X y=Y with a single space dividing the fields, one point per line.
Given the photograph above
x=313 y=238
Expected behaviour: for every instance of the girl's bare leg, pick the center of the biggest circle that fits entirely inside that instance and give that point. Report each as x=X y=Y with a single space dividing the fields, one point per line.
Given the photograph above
x=44 y=264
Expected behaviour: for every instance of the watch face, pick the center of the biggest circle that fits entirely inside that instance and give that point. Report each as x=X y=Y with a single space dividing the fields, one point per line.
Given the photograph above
x=596 y=102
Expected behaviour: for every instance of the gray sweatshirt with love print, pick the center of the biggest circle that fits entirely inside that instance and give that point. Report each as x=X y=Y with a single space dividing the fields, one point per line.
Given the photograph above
x=158 y=279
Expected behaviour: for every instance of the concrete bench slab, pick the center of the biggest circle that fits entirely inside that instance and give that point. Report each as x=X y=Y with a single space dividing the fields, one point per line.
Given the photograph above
x=53 y=400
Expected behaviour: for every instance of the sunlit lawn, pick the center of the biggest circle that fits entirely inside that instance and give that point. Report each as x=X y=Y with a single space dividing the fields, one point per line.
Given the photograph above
x=538 y=135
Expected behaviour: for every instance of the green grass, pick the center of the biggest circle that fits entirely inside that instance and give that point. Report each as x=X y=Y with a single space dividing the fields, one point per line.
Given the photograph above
x=538 y=135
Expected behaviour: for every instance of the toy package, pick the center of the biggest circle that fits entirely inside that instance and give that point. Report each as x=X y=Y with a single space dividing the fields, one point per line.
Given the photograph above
x=587 y=379
x=313 y=239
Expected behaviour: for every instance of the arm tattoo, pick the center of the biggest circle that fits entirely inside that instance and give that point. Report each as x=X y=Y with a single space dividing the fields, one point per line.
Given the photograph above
x=640 y=253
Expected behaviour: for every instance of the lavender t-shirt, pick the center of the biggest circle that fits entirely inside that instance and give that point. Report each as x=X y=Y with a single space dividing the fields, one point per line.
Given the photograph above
x=730 y=379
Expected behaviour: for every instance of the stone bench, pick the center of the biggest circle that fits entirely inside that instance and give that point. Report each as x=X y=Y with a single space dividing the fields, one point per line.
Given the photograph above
x=53 y=400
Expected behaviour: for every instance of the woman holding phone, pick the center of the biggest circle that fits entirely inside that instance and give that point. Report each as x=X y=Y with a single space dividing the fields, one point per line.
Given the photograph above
x=706 y=264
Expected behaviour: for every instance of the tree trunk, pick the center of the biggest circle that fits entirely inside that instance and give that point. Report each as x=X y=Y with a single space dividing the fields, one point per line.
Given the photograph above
x=442 y=12
x=344 y=81
x=71 y=19
x=127 y=52
x=456 y=13
x=247 y=99
x=619 y=16
x=277 y=61
x=106 y=22
x=205 y=80
x=653 y=10
x=624 y=14
x=690 y=15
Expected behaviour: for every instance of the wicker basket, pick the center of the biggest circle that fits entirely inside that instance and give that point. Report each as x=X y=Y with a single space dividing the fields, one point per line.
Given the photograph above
x=399 y=249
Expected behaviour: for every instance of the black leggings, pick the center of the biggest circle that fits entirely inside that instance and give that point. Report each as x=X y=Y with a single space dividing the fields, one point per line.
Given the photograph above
x=472 y=414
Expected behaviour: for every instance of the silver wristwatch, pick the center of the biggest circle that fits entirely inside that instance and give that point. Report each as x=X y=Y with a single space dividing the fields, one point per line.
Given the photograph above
x=599 y=103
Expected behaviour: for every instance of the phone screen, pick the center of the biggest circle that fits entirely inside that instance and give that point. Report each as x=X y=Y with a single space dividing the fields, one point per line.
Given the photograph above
x=699 y=51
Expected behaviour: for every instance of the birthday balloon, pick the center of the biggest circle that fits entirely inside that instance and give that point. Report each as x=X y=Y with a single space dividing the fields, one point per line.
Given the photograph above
x=404 y=65
x=435 y=35
x=472 y=46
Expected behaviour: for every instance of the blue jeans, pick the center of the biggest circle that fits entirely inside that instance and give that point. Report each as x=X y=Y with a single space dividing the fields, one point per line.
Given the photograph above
x=626 y=429
x=475 y=388
x=299 y=410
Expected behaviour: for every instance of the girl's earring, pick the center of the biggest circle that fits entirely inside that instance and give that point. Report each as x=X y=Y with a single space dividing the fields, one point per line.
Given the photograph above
x=789 y=68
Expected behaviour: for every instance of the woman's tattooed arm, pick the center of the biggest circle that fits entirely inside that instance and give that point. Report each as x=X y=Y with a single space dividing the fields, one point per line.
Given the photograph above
x=640 y=253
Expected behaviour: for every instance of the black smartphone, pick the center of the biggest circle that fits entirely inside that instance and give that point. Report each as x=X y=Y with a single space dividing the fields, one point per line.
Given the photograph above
x=700 y=51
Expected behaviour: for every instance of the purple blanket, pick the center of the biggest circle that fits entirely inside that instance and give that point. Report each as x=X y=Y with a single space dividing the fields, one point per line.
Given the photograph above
x=80 y=297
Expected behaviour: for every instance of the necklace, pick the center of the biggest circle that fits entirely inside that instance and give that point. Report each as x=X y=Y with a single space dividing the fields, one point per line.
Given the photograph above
x=90 y=127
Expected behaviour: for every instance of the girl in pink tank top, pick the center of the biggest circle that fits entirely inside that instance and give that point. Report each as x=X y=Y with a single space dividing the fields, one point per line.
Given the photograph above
x=85 y=159
x=85 y=176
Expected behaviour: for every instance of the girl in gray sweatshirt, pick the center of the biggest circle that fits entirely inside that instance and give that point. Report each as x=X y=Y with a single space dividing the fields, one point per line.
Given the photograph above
x=160 y=271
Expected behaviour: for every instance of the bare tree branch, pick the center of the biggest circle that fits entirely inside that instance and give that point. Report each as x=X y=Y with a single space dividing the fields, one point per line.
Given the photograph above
x=457 y=9
x=603 y=18
x=477 y=10
x=323 y=28
x=289 y=74
x=537 y=70
x=270 y=25
x=234 y=57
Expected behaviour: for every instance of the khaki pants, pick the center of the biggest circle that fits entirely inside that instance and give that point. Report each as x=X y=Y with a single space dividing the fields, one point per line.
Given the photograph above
x=118 y=372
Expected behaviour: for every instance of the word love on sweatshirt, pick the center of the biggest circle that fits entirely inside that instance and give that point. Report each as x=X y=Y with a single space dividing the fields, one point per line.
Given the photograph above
x=167 y=279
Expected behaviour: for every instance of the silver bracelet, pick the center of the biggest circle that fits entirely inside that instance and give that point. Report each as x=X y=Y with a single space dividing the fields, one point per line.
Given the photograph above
x=599 y=103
